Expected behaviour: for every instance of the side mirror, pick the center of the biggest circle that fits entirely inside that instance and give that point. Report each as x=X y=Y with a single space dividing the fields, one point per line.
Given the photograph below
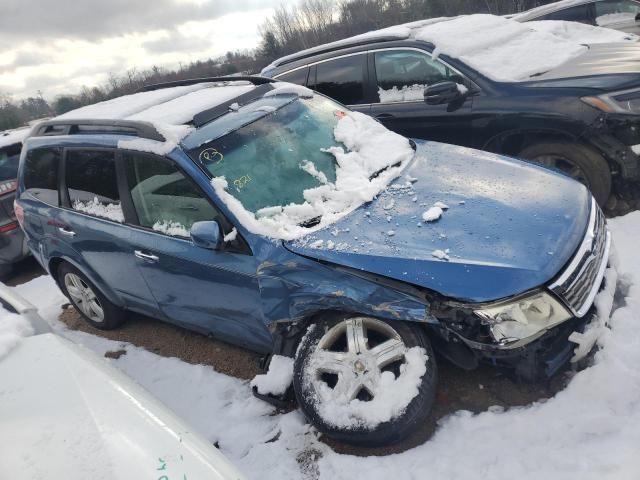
x=206 y=235
x=442 y=93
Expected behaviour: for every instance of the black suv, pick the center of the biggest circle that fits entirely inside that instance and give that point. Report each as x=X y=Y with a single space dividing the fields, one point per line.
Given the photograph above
x=581 y=117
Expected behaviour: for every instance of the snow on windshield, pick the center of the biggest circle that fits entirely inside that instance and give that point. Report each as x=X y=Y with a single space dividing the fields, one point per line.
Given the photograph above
x=502 y=49
x=368 y=148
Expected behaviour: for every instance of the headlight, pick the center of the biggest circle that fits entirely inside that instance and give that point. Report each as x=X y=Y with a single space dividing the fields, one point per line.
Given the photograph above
x=627 y=101
x=518 y=319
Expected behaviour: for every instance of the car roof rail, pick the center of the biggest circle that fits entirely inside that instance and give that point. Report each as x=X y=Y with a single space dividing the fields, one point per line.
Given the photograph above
x=328 y=48
x=255 y=79
x=113 y=127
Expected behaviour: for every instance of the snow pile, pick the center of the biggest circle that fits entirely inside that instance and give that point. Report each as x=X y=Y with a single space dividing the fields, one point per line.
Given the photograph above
x=110 y=211
x=13 y=137
x=370 y=148
x=278 y=377
x=441 y=254
x=283 y=88
x=231 y=236
x=391 y=400
x=502 y=49
x=434 y=213
x=174 y=229
x=408 y=93
x=581 y=33
x=13 y=327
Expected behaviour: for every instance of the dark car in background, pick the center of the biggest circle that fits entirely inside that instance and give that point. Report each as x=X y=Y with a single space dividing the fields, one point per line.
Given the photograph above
x=617 y=14
x=581 y=116
x=13 y=247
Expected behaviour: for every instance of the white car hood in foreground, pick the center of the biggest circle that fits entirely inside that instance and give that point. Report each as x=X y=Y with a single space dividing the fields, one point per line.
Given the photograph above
x=65 y=414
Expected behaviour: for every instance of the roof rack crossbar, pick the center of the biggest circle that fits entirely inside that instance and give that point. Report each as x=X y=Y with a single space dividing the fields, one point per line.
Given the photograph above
x=207 y=116
x=71 y=127
x=255 y=79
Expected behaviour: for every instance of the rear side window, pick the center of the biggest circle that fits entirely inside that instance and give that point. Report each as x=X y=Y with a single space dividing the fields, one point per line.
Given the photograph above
x=342 y=79
x=580 y=13
x=91 y=181
x=297 y=76
x=9 y=158
x=165 y=199
x=41 y=174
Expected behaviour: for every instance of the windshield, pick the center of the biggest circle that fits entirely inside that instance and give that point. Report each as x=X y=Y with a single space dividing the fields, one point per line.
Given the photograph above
x=9 y=158
x=273 y=160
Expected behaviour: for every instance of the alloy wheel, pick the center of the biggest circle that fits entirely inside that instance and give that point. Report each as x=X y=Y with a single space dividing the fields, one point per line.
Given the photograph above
x=351 y=357
x=563 y=164
x=84 y=297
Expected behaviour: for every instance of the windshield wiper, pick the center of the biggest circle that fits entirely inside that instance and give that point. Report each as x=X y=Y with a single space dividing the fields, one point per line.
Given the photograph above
x=312 y=222
x=377 y=173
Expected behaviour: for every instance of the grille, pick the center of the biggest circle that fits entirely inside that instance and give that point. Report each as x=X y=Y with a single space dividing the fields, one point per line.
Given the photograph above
x=578 y=285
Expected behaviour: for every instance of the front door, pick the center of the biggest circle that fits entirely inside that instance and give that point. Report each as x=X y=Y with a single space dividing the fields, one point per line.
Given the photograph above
x=400 y=77
x=212 y=291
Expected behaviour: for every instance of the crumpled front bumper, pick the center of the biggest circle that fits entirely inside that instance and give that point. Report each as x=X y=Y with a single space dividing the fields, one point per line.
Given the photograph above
x=569 y=342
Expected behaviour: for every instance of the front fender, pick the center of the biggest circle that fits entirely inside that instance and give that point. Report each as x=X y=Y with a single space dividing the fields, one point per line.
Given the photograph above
x=297 y=289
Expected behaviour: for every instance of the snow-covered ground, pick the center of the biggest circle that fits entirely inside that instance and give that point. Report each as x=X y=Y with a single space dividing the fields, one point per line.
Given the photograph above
x=590 y=430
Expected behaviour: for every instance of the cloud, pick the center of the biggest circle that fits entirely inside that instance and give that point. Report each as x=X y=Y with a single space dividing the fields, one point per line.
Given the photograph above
x=94 y=19
x=73 y=57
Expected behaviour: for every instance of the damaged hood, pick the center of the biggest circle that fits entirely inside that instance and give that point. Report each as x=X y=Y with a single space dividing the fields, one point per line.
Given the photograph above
x=510 y=227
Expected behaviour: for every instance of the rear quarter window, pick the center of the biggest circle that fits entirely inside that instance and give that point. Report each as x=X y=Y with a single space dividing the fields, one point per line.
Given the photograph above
x=41 y=174
x=296 y=76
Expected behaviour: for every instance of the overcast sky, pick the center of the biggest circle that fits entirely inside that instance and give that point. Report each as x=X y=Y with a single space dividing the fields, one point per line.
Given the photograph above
x=57 y=46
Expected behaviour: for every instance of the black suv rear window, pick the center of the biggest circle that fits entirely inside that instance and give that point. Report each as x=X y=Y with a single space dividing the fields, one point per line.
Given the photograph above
x=41 y=174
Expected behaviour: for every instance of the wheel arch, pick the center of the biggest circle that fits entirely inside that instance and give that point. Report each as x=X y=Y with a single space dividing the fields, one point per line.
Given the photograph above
x=54 y=264
x=512 y=142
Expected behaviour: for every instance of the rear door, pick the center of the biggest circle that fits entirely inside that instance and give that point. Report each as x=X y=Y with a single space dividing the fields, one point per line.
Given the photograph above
x=215 y=292
x=90 y=225
x=400 y=76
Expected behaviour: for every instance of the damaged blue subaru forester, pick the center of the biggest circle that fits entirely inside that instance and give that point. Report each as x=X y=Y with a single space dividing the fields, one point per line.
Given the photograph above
x=270 y=216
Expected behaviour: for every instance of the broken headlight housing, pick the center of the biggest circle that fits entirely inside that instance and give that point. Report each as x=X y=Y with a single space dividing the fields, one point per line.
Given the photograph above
x=527 y=316
x=627 y=101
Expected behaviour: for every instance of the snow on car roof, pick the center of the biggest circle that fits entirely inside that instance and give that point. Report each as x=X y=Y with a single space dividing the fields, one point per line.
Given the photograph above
x=13 y=137
x=167 y=109
x=551 y=7
x=500 y=48
x=168 y=106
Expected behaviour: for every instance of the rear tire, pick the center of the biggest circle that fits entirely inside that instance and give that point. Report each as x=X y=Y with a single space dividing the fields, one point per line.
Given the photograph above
x=316 y=395
x=576 y=160
x=88 y=300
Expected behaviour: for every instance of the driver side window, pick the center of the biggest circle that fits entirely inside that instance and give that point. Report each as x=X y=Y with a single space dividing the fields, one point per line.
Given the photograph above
x=164 y=198
x=402 y=75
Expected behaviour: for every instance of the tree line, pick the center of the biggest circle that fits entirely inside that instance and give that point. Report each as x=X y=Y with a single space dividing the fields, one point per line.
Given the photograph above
x=290 y=29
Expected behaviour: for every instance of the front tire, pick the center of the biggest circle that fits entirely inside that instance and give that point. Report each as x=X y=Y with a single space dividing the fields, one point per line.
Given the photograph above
x=576 y=160
x=347 y=371
x=88 y=300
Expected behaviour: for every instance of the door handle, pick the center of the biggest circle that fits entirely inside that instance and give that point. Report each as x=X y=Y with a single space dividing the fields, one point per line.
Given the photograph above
x=66 y=231
x=148 y=257
x=384 y=116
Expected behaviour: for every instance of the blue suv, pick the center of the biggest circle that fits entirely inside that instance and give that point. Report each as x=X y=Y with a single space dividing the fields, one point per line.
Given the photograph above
x=272 y=217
